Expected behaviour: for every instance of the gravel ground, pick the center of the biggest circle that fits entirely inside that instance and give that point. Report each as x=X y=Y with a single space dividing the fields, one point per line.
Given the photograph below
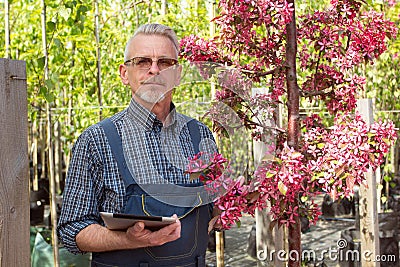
x=324 y=236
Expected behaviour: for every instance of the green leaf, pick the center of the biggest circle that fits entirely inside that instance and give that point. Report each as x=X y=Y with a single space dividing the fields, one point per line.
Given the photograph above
x=282 y=188
x=50 y=26
x=46 y=94
x=387 y=178
x=57 y=42
x=50 y=97
x=320 y=145
x=269 y=175
x=64 y=12
x=70 y=4
x=238 y=224
x=49 y=84
x=40 y=62
x=75 y=31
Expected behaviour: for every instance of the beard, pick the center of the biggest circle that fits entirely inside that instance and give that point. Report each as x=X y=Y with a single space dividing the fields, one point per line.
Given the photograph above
x=152 y=93
x=153 y=90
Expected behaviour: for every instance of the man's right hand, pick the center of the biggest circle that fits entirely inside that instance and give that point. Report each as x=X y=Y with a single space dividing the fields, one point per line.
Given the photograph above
x=97 y=238
x=146 y=238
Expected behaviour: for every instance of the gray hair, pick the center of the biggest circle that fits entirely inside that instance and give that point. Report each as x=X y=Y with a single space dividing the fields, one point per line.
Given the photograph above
x=154 y=29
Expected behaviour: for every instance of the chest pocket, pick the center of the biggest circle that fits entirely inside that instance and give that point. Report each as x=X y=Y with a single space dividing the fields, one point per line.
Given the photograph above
x=141 y=203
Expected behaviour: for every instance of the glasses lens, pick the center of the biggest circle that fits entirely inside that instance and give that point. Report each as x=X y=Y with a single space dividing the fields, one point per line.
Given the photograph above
x=143 y=62
x=164 y=63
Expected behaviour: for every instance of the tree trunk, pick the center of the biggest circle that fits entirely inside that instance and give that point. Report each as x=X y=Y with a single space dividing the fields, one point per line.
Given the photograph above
x=50 y=145
x=7 y=28
x=293 y=128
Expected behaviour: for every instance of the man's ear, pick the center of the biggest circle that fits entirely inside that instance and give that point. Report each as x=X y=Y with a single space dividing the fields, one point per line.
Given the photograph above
x=123 y=73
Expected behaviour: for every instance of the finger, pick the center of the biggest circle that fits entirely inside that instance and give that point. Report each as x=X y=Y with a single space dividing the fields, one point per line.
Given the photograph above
x=172 y=230
x=138 y=227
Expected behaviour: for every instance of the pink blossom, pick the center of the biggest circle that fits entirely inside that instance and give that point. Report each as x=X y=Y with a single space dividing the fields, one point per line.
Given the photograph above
x=332 y=156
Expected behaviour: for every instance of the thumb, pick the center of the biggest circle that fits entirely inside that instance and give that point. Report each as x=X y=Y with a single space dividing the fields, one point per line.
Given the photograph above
x=138 y=227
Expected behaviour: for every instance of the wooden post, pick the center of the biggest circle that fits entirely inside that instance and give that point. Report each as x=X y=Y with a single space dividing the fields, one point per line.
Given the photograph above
x=219 y=248
x=219 y=235
x=268 y=240
x=369 y=224
x=14 y=165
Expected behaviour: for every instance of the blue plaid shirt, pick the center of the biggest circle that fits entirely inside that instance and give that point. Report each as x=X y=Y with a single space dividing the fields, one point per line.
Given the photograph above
x=93 y=182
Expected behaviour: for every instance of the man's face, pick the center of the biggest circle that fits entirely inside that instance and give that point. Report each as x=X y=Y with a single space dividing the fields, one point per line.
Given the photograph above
x=154 y=83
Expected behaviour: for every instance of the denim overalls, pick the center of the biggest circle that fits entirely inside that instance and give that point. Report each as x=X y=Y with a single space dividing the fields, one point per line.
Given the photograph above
x=189 y=249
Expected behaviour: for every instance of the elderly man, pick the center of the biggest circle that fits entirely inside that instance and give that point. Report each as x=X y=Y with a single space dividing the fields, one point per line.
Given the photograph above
x=148 y=143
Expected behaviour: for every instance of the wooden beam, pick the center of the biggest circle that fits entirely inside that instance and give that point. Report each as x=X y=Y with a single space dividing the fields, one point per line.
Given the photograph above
x=369 y=223
x=14 y=165
x=268 y=240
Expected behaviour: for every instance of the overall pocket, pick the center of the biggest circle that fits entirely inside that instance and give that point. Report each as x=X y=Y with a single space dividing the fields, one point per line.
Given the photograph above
x=157 y=204
x=194 y=223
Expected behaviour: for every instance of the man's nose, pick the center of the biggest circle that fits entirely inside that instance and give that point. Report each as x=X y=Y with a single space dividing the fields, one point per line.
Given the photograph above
x=154 y=69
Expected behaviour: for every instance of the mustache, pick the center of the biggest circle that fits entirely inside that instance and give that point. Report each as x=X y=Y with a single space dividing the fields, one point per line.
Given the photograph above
x=154 y=79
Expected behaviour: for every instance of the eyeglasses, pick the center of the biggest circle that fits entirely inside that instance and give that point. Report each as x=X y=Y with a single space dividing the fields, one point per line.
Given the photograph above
x=145 y=63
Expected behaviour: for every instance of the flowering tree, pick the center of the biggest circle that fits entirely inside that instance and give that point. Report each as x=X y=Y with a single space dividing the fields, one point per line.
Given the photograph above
x=260 y=39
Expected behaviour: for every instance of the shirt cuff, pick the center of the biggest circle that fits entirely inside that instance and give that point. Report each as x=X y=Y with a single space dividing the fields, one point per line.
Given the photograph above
x=68 y=232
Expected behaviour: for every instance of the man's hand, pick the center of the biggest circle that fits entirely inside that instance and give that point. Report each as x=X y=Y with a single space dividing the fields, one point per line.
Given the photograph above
x=97 y=238
x=147 y=238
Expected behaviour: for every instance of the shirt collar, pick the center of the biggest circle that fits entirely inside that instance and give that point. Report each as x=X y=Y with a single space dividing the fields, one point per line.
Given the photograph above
x=147 y=118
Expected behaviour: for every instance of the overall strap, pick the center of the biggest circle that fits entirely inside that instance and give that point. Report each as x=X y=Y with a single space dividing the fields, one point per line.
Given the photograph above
x=115 y=142
x=194 y=132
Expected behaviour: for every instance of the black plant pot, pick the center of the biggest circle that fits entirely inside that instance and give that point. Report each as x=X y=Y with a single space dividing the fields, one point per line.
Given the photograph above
x=36 y=207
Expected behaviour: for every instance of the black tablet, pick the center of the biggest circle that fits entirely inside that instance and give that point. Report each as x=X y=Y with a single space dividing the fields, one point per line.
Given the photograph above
x=120 y=221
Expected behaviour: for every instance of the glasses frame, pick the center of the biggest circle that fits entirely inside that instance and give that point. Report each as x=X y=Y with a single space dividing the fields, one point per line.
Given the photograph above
x=134 y=62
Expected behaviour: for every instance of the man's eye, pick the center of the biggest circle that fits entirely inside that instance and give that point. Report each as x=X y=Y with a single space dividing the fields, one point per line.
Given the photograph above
x=166 y=62
x=143 y=61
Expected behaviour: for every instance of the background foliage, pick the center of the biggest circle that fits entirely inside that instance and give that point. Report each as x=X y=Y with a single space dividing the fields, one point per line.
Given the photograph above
x=72 y=88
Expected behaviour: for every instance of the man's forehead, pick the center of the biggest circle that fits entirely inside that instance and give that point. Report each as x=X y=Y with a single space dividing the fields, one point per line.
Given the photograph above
x=142 y=39
x=151 y=42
